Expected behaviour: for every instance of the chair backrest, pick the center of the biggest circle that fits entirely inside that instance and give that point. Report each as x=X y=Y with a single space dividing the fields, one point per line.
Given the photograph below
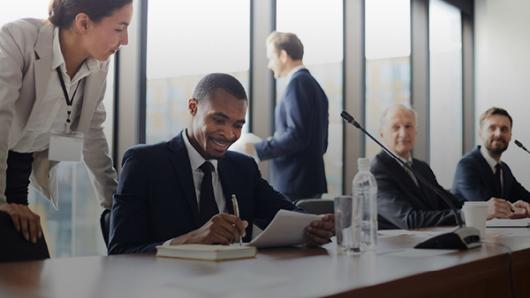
x=14 y=247
x=104 y=221
x=316 y=206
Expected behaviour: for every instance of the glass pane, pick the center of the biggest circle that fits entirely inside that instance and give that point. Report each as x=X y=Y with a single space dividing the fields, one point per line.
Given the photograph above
x=445 y=48
x=324 y=63
x=73 y=229
x=387 y=53
x=216 y=38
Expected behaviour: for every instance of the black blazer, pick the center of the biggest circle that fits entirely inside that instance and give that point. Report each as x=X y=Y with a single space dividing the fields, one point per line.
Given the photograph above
x=475 y=181
x=155 y=199
x=403 y=205
x=301 y=138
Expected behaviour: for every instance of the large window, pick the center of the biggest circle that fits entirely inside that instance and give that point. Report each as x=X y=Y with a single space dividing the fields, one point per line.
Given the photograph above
x=387 y=51
x=323 y=56
x=187 y=39
x=72 y=229
x=445 y=52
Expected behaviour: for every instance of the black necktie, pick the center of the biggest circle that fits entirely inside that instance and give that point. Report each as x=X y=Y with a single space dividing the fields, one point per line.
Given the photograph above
x=498 y=184
x=207 y=205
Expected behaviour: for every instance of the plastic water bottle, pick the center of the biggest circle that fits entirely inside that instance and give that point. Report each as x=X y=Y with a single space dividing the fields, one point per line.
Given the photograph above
x=364 y=190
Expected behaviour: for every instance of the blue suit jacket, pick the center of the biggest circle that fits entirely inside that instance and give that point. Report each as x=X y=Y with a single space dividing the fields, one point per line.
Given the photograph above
x=474 y=180
x=155 y=200
x=401 y=204
x=301 y=138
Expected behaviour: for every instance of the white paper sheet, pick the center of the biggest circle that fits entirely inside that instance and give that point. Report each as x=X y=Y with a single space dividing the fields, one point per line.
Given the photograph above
x=286 y=229
x=239 y=145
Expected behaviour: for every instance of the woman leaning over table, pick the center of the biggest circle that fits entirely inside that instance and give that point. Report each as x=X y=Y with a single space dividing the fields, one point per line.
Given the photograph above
x=52 y=82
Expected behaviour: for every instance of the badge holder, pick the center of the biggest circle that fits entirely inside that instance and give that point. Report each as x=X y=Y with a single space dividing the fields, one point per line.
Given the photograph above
x=65 y=146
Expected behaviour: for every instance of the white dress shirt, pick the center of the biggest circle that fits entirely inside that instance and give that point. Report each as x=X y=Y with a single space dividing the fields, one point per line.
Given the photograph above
x=37 y=137
x=196 y=160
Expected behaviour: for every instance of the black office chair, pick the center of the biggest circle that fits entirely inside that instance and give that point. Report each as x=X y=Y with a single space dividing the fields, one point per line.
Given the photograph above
x=104 y=222
x=15 y=248
x=316 y=206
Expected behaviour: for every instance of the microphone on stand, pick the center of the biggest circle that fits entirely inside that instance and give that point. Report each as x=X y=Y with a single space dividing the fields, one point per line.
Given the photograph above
x=461 y=238
x=520 y=145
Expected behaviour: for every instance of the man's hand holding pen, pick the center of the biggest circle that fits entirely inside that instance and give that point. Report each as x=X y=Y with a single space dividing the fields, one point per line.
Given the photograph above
x=501 y=208
x=223 y=228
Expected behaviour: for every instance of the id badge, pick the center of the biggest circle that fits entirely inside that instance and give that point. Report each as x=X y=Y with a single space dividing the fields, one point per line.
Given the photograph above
x=65 y=146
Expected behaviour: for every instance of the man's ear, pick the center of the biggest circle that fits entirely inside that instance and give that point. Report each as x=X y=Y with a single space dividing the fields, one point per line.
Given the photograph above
x=193 y=105
x=283 y=56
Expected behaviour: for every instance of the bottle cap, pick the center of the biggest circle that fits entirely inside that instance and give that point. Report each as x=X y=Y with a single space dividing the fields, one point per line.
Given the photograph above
x=363 y=164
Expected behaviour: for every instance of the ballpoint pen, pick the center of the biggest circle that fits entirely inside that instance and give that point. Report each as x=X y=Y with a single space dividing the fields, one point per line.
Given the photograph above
x=236 y=213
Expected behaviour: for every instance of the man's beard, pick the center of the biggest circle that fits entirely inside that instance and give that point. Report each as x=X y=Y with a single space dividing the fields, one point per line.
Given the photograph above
x=496 y=152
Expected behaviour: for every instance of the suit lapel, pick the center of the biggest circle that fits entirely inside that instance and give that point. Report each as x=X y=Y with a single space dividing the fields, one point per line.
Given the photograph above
x=402 y=175
x=181 y=163
x=43 y=60
x=92 y=91
x=225 y=171
x=486 y=171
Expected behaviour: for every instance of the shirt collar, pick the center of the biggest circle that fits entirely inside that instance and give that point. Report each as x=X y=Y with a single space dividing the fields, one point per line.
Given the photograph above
x=405 y=160
x=91 y=65
x=291 y=73
x=196 y=159
x=490 y=160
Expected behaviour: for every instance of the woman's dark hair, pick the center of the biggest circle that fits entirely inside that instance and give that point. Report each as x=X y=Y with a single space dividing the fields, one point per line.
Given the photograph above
x=62 y=13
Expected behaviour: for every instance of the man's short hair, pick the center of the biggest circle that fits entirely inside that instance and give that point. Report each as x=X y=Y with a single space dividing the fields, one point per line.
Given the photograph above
x=211 y=82
x=288 y=42
x=382 y=120
x=495 y=111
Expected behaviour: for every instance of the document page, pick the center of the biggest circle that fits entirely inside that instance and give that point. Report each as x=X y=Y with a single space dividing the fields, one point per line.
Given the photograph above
x=286 y=229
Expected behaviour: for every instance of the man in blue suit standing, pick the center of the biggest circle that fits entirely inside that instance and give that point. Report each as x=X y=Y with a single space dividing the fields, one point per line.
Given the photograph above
x=482 y=176
x=179 y=191
x=301 y=121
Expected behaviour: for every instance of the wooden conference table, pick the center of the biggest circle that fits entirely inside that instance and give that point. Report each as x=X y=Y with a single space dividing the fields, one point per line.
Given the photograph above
x=500 y=268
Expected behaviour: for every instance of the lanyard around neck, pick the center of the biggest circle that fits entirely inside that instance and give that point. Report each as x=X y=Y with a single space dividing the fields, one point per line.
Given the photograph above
x=69 y=101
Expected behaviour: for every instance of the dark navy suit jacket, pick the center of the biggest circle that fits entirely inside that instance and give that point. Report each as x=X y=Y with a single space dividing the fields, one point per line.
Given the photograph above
x=301 y=138
x=155 y=200
x=475 y=181
x=401 y=204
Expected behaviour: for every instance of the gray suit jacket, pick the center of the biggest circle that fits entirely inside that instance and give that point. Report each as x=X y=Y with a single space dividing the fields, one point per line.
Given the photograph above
x=25 y=59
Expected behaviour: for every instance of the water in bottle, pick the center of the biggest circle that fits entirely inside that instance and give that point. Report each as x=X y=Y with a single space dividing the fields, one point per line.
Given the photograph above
x=364 y=190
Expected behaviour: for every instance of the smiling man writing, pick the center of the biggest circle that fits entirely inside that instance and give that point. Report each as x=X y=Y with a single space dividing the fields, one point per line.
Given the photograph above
x=179 y=191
